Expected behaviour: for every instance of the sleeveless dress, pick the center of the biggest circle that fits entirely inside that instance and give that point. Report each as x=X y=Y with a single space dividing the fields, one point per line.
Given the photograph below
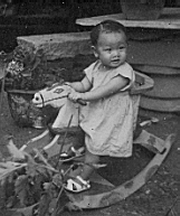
x=108 y=123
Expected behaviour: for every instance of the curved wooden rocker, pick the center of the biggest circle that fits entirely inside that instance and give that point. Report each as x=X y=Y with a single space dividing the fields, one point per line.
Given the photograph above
x=87 y=200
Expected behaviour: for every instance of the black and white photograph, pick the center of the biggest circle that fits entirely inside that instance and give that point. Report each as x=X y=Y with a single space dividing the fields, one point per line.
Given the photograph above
x=89 y=108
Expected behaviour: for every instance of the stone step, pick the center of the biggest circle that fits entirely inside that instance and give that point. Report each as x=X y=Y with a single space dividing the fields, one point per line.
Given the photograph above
x=58 y=46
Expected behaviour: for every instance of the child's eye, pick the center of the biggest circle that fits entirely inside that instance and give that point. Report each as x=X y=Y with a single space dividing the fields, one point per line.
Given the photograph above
x=122 y=47
x=108 y=50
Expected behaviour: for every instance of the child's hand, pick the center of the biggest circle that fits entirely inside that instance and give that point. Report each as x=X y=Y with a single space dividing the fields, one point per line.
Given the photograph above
x=74 y=96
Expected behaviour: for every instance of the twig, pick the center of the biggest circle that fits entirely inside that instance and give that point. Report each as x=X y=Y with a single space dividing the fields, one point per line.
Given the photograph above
x=171 y=207
x=69 y=169
x=2 y=88
x=63 y=142
x=56 y=210
x=172 y=212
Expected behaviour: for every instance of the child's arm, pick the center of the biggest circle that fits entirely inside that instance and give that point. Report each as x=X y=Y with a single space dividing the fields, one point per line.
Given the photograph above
x=81 y=86
x=112 y=87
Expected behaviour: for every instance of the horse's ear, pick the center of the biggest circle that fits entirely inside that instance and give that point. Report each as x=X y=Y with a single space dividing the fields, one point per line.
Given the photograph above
x=48 y=83
x=61 y=82
x=51 y=86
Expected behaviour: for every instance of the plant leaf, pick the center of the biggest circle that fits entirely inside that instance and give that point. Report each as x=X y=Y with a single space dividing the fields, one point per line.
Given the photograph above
x=57 y=180
x=43 y=160
x=6 y=168
x=35 y=169
x=21 y=188
x=70 y=206
x=27 y=211
x=14 y=151
x=45 y=201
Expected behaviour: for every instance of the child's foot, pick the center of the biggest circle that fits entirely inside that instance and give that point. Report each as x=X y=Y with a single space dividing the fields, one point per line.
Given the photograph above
x=77 y=185
x=72 y=154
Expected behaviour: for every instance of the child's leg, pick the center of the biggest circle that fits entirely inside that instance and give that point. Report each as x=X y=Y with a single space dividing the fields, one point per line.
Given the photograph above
x=76 y=148
x=78 y=181
x=87 y=168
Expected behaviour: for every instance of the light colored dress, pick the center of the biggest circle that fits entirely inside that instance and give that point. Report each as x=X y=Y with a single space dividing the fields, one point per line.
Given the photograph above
x=108 y=123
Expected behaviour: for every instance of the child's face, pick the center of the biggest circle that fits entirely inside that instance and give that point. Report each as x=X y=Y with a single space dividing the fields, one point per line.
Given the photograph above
x=111 y=49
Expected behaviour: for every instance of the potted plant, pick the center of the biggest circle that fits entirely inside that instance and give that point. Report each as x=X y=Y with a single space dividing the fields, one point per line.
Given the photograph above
x=26 y=73
x=142 y=9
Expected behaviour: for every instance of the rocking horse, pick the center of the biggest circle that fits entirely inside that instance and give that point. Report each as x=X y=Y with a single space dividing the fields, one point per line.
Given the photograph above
x=56 y=96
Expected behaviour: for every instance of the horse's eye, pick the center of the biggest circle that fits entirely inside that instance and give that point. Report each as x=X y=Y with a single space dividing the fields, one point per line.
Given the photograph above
x=36 y=98
x=58 y=90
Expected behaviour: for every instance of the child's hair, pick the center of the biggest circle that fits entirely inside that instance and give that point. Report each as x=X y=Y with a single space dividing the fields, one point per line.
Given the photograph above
x=106 y=26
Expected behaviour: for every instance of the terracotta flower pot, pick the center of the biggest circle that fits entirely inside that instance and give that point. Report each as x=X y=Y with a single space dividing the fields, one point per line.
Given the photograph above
x=142 y=9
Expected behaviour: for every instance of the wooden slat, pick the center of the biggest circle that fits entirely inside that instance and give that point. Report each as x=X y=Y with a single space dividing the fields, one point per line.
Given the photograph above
x=150 y=141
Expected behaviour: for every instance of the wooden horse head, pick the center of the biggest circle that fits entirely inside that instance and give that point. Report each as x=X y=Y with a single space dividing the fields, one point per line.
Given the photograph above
x=57 y=97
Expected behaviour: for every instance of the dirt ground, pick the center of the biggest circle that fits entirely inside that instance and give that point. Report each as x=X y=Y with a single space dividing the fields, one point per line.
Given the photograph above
x=156 y=198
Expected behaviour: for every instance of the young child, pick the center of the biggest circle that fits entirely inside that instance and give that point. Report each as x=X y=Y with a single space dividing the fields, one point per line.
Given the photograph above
x=107 y=120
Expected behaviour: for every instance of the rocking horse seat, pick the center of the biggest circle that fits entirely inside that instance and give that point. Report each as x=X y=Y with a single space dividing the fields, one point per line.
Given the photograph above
x=142 y=83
